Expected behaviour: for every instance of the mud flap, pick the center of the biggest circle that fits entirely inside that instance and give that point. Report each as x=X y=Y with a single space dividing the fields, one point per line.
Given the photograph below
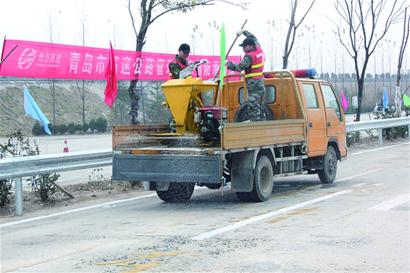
x=243 y=171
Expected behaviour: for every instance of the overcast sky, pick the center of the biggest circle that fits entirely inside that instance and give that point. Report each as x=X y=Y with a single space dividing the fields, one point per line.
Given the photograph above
x=60 y=20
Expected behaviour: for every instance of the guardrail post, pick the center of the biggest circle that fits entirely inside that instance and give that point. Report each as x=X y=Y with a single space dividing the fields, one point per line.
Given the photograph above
x=18 y=188
x=380 y=136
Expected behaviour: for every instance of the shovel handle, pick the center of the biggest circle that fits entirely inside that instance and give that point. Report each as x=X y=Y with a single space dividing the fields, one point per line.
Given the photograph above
x=234 y=41
x=230 y=48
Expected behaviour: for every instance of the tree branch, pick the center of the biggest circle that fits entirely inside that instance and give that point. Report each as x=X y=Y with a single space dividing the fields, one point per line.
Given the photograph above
x=343 y=43
x=158 y=3
x=292 y=41
x=132 y=19
x=405 y=38
x=306 y=13
x=393 y=15
x=206 y=3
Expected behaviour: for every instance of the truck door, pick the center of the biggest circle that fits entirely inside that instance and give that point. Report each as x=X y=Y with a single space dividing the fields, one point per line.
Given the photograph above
x=335 y=120
x=316 y=125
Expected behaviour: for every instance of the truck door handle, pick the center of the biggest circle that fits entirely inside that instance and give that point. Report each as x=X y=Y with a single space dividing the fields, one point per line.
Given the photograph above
x=310 y=125
x=329 y=124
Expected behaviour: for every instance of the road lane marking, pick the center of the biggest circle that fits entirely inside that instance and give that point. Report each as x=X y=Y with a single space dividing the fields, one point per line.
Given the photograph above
x=358 y=175
x=389 y=204
x=75 y=210
x=261 y=217
x=382 y=148
x=359 y=185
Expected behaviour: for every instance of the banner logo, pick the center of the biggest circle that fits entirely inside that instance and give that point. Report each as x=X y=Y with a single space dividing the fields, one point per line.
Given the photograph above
x=27 y=58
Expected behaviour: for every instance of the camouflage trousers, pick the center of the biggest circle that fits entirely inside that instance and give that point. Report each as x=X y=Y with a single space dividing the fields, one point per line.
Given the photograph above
x=256 y=94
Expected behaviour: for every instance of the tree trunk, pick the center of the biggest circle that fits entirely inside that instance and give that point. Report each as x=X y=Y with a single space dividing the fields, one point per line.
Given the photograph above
x=360 y=89
x=133 y=92
x=83 y=101
x=286 y=52
x=397 y=93
x=53 y=92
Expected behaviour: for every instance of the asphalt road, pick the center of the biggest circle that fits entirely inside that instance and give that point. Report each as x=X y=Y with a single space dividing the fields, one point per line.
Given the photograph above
x=360 y=223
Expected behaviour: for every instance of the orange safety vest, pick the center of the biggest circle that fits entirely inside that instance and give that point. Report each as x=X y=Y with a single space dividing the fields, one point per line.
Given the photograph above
x=258 y=62
x=181 y=65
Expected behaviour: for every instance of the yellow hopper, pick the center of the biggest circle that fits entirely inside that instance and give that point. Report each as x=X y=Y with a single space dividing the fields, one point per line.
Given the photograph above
x=182 y=96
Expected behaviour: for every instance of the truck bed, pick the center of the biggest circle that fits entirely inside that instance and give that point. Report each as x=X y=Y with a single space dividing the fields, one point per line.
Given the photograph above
x=149 y=153
x=243 y=135
x=154 y=139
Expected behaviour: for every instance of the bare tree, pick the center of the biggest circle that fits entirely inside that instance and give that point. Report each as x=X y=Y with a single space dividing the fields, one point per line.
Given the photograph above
x=150 y=11
x=85 y=85
x=293 y=26
x=52 y=82
x=362 y=24
x=398 y=95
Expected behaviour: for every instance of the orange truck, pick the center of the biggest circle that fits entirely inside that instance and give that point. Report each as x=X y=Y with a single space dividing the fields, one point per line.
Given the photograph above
x=210 y=143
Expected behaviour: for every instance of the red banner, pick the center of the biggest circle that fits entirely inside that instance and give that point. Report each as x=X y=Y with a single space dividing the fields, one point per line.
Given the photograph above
x=58 y=61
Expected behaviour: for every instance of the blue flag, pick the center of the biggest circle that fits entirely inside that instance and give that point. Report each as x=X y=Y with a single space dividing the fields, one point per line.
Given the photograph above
x=32 y=110
x=385 y=99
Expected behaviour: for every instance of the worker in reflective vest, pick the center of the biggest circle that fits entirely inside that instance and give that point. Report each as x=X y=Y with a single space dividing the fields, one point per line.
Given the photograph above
x=252 y=64
x=180 y=61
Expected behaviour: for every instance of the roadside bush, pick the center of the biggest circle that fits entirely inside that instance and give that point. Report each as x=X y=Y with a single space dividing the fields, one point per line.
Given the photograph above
x=93 y=125
x=18 y=145
x=78 y=128
x=71 y=128
x=350 y=137
x=51 y=127
x=86 y=126
x=37 y=129
x=101 y=124
x=62 y=129
x=5 y=192
x=55 y=129
x=43 y=185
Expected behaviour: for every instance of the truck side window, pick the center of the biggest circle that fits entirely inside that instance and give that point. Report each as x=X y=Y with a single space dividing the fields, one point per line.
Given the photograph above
x=310 y=95
x=331 y=100
x=270 y=94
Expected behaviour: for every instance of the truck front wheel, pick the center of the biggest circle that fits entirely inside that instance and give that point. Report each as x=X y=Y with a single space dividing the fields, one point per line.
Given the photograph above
x=328 y=174
x=177 y=192
x=262 y=184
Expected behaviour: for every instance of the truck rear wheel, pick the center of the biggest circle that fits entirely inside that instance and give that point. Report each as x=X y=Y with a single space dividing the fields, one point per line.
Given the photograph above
x=177 y=192
x=262 y=182
x=328 y=174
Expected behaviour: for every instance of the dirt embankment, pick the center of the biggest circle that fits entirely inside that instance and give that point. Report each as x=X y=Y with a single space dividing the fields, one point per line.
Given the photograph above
x=67 y=99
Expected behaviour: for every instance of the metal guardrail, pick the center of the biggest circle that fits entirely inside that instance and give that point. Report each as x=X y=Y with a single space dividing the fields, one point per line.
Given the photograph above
x=42 y=164
x=379 y=125
x=19 y=167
